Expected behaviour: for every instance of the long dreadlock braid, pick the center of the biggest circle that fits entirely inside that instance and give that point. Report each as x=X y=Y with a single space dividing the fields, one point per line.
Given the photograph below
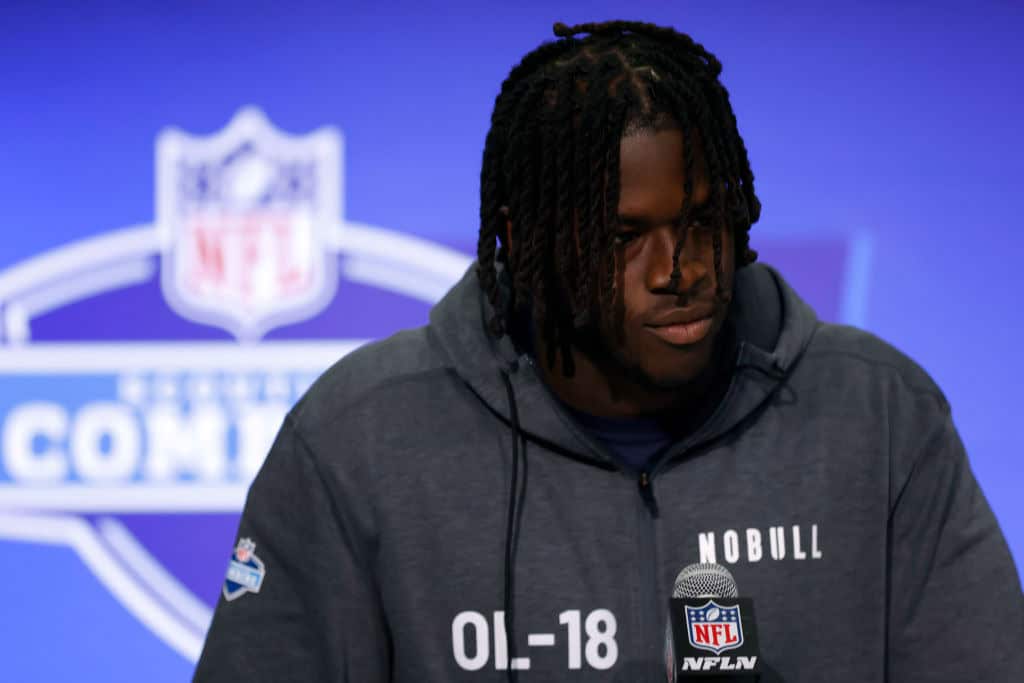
x=551 y=168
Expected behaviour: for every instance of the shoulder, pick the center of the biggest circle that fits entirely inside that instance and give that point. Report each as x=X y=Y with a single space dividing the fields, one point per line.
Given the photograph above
x=875 y=398
x=848 y=355
x=377 y=369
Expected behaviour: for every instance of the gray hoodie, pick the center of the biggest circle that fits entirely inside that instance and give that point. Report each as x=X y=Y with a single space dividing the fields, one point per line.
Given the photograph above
x=429 y=483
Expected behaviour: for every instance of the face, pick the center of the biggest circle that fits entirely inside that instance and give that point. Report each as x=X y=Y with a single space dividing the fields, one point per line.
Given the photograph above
x=670 y=330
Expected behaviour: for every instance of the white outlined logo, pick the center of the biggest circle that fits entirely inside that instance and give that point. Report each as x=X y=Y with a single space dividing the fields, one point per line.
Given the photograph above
x=250 y=234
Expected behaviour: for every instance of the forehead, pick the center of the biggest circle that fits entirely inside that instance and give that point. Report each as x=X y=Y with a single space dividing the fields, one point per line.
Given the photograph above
x=652 y=171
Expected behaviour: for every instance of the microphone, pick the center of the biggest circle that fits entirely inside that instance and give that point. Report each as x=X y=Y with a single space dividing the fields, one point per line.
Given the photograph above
x=711 y=634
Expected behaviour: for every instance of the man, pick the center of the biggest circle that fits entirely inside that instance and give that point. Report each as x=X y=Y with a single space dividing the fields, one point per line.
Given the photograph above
x=616 y=392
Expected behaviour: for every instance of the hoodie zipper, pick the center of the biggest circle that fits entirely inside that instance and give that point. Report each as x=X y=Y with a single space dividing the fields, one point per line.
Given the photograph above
x=647 y=493
x=657 y=595
x=647 y=627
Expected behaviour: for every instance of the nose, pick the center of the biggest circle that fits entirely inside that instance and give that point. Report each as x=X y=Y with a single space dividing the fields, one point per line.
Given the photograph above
x=660 y=266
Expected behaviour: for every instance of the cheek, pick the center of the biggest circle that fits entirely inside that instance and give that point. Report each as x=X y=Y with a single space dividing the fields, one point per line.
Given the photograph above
x=633 y=277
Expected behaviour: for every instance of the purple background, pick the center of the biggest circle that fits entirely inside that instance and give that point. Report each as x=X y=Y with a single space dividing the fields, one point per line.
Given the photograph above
x=899 y=121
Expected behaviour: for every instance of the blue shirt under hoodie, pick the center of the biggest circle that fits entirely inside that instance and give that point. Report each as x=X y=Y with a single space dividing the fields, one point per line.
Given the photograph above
x=428 y=487
x=635 y=442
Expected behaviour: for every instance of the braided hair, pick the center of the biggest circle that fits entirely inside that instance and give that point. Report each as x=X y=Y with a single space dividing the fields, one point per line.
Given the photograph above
x=551 y=167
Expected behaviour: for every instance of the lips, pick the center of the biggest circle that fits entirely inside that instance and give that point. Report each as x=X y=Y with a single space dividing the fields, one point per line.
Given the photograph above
x=681 y=327
x=682 y=334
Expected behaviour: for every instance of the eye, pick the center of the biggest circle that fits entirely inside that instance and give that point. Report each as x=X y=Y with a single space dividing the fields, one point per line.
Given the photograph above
x=626 y=236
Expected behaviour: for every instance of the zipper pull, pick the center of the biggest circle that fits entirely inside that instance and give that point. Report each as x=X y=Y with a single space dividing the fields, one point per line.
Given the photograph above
x=647 y=493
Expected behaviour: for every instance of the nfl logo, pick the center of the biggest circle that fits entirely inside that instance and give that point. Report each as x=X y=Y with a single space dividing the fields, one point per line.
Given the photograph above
x=246 y=571
x=245 y=219
x=714 y=627
x=244 y=550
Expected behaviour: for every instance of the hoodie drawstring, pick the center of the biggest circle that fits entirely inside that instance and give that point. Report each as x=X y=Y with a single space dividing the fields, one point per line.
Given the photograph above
x=514 y=510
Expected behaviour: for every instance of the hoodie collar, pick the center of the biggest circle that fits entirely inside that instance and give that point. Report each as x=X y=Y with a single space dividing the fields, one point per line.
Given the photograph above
x=772 y=323
x=774 y=326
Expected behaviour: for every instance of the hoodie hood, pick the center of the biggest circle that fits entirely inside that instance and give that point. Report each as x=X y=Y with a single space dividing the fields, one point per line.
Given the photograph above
x=773 y=328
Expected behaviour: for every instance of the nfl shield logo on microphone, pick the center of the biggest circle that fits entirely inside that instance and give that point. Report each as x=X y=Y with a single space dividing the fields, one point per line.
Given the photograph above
x=714 y=627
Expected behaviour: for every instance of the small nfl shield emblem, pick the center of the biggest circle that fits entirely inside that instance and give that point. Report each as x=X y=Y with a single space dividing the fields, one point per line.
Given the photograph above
x=713 y=627
x=245 y=572
x=248 y=220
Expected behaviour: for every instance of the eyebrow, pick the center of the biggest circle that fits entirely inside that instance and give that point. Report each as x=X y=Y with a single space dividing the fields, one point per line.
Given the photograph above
x=637 y=221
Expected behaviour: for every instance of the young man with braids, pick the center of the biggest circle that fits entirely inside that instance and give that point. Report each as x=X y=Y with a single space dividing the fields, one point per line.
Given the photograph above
x=617 y=390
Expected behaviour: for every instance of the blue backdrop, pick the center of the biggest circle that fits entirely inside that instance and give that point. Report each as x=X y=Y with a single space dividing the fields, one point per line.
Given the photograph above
x=885 y=140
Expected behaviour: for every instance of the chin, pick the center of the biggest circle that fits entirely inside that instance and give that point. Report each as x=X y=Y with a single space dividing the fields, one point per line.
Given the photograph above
x=666 y=368
x=672 y=379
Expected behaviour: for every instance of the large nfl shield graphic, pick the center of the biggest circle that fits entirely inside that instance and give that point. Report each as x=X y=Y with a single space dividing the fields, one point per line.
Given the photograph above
x=130 y=425
x=713 y=627
x=245 y=218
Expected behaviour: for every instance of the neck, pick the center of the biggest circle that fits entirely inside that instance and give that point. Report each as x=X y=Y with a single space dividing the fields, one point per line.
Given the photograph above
x=602 y=387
